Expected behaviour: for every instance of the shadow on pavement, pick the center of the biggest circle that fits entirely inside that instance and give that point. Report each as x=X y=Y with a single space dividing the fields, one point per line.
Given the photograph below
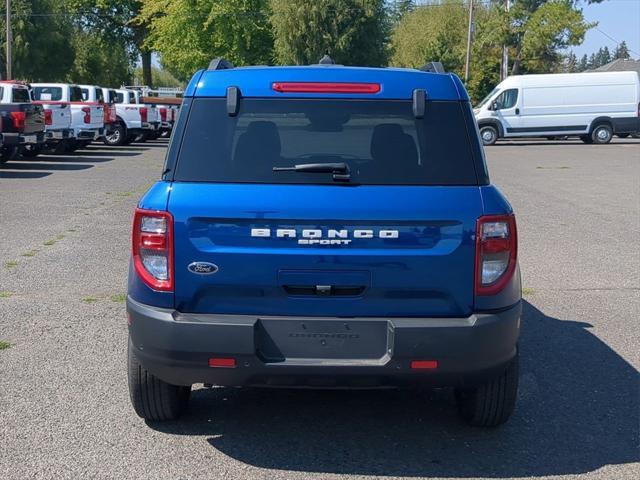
x=578 y=410
x=30 y=164
x=4 y=174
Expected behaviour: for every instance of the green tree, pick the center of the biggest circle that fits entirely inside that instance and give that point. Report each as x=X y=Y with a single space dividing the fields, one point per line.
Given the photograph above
x=621 y=51
x=114 y=21
x=583 y=64
x=189 y=33
x=353 y=32
x=42 y=48
x=99 y=60
x=161 y=78
x=570 y=64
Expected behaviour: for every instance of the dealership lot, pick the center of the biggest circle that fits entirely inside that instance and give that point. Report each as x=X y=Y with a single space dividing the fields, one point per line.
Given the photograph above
x=64 y=407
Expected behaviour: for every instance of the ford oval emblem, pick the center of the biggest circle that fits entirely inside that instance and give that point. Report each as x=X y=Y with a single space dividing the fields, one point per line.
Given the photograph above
x=202 y=268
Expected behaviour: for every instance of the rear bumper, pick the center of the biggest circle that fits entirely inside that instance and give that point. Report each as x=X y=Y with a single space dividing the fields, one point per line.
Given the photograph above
x=360 y=352
x=153 y=126
x=60 y=134
x=89 y=134
x=14 y=139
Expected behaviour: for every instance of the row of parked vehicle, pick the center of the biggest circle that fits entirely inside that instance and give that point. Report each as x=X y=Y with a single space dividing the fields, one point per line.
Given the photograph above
x=60 y=118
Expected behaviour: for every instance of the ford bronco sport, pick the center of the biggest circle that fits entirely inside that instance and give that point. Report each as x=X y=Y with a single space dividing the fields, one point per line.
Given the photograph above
x=324 y=226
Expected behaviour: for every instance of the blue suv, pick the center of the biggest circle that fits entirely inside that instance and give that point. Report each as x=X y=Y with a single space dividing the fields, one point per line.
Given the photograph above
x=324 y=226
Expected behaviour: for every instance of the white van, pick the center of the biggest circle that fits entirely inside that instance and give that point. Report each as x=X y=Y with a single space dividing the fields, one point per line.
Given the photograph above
x=594 y=106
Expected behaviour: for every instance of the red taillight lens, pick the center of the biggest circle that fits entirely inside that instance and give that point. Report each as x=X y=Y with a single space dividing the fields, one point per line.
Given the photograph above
x=19 y=119
x=216 y=362
x=496 y=253
x=424 y=364
x=325 y=87
x=143 y=114
x=48 y=117
x=152 y=248
x=163 y=114
x=87 y=114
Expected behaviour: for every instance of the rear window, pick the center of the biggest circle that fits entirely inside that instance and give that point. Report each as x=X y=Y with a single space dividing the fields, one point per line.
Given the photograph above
x=132 y=97
x=76 y=94
x=119 y=97
x=380 y=141
x=20 y=95
x=53 y=94
x=85 y=94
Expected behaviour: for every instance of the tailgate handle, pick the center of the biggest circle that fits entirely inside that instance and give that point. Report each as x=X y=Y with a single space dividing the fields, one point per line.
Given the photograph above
x=325 y=290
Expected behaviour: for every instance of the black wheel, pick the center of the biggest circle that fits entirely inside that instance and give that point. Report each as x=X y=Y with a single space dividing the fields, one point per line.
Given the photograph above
x=602 y=134
x=489 y=134
x=117 y=137
x=490 y=404
x=141 y=138
x=9 y=153
x=586 y=139
x=622 y=135
x=153 y=399
x=31 y=151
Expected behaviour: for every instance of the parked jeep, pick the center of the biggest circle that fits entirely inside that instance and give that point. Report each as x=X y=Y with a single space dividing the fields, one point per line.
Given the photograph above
x=324 y=226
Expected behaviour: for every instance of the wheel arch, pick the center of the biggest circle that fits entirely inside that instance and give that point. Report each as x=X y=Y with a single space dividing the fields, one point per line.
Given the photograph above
x=599 y=121
x=492 y=123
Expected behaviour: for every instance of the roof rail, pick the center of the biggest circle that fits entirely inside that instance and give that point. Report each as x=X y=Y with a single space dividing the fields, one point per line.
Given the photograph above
x=220 y=64
x=433 y=67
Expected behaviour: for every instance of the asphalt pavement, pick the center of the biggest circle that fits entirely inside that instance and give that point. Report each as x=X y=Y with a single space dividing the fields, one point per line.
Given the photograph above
x=64 y=406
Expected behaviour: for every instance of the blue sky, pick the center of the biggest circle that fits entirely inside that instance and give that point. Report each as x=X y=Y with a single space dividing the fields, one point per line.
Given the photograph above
x=619 y=19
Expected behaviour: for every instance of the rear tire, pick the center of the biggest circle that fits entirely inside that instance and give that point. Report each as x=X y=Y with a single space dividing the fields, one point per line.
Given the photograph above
x=489 y=135
x=31 y=151
x=118 y=136
x=492 y=403
x=9 y=153
x=153 y=399
x=602 y=134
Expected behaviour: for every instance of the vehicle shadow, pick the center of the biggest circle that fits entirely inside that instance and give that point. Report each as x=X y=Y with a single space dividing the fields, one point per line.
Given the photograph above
x=7 y=175
x=577 y=411
x=33 y=164
x=517 y=143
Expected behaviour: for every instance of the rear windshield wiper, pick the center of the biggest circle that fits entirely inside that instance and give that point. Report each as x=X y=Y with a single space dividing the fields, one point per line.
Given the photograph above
x=340 y=170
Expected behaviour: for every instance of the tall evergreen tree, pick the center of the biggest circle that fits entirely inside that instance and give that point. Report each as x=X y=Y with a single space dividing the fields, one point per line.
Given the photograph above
x=621 y=51
x=583 y=64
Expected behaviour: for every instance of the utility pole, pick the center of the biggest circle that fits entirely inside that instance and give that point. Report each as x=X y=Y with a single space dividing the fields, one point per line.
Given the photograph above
x=504 y=71
x=9 y=41
x=467 y=64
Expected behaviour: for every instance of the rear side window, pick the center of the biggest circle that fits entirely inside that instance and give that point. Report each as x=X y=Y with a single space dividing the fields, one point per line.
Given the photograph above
x=119 y=97
x=53 y=94
x=380 y=141
x=99 y=95
x=132 y=97
x=20 y=95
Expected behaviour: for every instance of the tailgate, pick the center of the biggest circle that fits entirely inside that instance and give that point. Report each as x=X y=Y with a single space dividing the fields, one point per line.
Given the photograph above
x=60 y=116
x=334 y=251
x=34 y=118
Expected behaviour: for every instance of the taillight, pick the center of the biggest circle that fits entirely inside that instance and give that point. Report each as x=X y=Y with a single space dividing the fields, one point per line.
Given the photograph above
x=48 y=117
x=496 y=253
x=152 y=248
x=325 y=87
x=87 y=114
x=143 y=114
x=163 y=114
x=19 y=119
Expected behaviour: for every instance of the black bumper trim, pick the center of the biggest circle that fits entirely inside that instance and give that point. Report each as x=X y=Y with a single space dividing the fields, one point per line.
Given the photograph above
x=176 y=347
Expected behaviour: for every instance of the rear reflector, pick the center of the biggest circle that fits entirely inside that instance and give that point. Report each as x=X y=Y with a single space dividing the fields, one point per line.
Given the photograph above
x=325 y=87
x=424 y=364
x=222 y=362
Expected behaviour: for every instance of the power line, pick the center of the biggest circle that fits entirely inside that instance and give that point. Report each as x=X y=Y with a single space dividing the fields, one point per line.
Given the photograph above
x=614 y=40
